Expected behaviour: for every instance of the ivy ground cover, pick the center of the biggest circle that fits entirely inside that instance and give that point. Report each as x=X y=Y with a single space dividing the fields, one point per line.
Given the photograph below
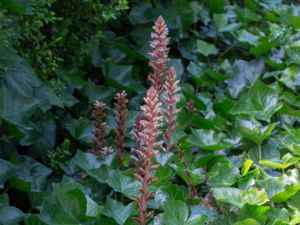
x=238 y=127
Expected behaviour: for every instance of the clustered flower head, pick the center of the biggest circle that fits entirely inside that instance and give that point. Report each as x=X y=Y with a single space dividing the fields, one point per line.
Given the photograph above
x=159 y=53
x=121 y=113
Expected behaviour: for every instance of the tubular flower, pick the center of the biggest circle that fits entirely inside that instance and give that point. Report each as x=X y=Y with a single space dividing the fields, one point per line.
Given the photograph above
x=146 y=149
x=159 y=53
x=100 y=127
x=121 y=113
x=171 y=99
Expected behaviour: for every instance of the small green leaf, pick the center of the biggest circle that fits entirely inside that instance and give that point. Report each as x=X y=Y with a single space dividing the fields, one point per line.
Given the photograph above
x=208 y=139
x=116 y=210
x=81 y=129
x=222 y=173
x=263 y=47
x=245 y=36
x=6 y=171
x=30 y=176
x=259 y=213
x=243 y=75
x=176 y=213
x=292 y=141
x=253 y=130
x=190 y=173
x=286 y=161
x=293 y=20
x=119 y=76
x=246 y=166
x=247 y=222
x=205 y=48
x=9 y=215
x=238 y=197
x=64 y=208
x=261 y=102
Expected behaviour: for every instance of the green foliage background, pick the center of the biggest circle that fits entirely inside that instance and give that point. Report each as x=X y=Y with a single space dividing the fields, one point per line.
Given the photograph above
x=238 y=63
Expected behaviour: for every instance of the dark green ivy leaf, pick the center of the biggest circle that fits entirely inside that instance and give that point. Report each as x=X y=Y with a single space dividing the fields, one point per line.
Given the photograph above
x=9 y=215
x=261 y=102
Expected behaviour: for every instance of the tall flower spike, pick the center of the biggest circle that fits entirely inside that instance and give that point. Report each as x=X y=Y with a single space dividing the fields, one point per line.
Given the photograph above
x=121 y=113
x=100 y=127
x=171 y=99
x=159 y=53
x=147 y=149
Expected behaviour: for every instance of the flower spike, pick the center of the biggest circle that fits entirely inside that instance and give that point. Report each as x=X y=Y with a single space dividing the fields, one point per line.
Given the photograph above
x=159 y=53
x=121 y=113
x=171 y=99
x=147 y=130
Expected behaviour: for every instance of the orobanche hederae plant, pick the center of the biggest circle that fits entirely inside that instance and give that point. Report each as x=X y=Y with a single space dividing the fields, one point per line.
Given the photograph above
x=153 y=127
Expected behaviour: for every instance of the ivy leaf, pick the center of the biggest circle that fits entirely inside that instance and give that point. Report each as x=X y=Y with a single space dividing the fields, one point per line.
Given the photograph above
x=190 y=174
x=293 y=202
x=167 y=192
x=259 y=213
x=64 y=207
x=6 y=171
x=119 y=76
x=286 y=161
x=124 y=184
x=81 y=129
x=243 y=74
x=116 y=210
x=245 y=36
x=292 y=141
x=9 y=215
x=249 y=221
x=117 y=180
x=207 y=139
x=280 y=189
x=238 y=197
x=205 y=48
x=222 y=173
x=263 y=47
x=97 y=93
x=246 y=166
x=253 y=130
x=33 y=220
x=30 y=175
x=176 y=213
x=261 y=102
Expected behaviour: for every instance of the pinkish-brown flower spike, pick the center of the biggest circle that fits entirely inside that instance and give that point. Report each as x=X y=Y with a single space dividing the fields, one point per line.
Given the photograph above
x=159 y=53
x=100 y=126
x=121 y=113
x=171 y=99
x=146 y=149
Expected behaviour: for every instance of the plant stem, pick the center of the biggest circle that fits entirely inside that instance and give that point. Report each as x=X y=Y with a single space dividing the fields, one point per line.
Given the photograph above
x=259 y=153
